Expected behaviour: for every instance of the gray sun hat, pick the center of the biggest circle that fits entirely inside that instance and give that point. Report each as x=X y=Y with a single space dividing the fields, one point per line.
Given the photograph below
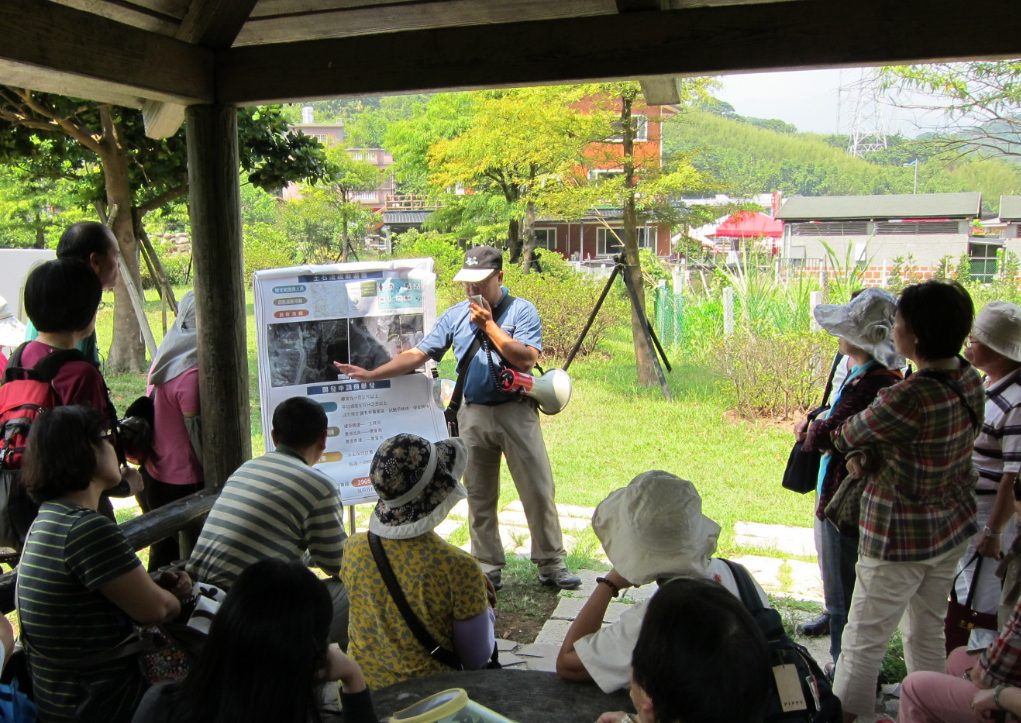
x=866 y=322
x=417 y=483
x=998 y=326
x=655 y=528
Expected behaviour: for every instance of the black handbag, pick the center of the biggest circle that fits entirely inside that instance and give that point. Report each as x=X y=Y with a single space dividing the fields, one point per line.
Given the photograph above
x=802 y=472
x=962 y=618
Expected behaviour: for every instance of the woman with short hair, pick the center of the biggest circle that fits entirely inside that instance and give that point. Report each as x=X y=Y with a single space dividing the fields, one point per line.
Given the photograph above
x=80 y=586
x=917 y=512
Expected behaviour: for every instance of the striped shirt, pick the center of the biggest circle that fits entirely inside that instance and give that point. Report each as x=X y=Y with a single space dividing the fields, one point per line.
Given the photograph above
x=70 y=553
x=918 y=438
x=998 y=446
x=274 y=506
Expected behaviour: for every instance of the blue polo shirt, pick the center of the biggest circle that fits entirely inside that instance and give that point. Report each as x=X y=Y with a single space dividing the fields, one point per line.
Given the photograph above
x=520 y=320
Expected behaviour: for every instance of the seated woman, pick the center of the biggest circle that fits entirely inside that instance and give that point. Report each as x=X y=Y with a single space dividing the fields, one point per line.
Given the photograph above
x=266 y=659
x=928 y=697
x=417 y=484
x=80 y=585
x=700 y=658
x=653 y=529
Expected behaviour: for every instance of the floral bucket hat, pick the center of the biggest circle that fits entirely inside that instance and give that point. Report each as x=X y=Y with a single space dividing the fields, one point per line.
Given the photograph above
x=417 y=484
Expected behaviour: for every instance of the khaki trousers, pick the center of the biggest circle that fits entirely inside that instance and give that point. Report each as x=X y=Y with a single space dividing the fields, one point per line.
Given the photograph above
x=512 y=430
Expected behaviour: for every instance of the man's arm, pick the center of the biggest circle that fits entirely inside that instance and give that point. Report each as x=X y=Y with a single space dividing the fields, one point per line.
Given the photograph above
x=589 y=620
x=521 y=356
x=1003 y=509
x=406 y=361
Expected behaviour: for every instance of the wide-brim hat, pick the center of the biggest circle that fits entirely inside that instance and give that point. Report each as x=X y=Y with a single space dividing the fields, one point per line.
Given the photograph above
x=417 y=482
x=998 y=326
x=12 y=331
x=654 y=528
x=866 y=322
x=480 y=263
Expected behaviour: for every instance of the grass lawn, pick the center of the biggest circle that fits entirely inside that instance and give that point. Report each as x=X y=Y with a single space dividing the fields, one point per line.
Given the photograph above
x=613 y=430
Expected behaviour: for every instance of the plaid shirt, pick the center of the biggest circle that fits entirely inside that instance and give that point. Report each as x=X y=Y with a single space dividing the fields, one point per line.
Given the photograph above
x=918 y=438
x=1001 y=661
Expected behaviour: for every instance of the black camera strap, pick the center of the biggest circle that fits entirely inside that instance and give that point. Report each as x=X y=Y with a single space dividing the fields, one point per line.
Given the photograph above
x=462 y=364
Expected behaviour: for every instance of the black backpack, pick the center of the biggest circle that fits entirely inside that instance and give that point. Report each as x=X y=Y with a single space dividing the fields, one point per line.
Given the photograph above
x=821 y=706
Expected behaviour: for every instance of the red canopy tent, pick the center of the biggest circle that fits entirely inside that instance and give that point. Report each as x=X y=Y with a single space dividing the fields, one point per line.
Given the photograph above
x=749 y=224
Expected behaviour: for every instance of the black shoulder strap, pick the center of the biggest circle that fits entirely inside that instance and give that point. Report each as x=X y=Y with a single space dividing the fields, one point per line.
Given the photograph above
x=942 y=379
x=462 y=363
x=837 y=358
x=45 y=369
x=745 y=586
x=435 y=650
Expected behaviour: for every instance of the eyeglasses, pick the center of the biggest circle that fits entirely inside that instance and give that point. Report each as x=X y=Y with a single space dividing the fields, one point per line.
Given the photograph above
x=109 y=436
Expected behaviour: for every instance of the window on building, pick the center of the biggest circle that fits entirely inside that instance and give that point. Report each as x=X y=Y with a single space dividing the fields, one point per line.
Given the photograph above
x=983 y=260
x=830 y=228
x=641 y=129
x=600 y=174
x=545 y=238
x=321 y=137
x=609 y=241
x=907 y=228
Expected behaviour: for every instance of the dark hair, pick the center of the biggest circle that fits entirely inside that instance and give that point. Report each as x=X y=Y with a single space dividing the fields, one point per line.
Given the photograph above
x=700 y=656
x=298 y=422
x=265 y=649
x=61 y=453
x=81 y=240
x=939 y=314
x=62 y=295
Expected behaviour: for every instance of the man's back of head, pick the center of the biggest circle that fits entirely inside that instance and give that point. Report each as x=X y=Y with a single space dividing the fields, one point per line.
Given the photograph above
x=298 y=423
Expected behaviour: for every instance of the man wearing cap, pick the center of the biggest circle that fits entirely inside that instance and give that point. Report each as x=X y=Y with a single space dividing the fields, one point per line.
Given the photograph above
x=994 y=347
x=653 y=530
x=492 y=422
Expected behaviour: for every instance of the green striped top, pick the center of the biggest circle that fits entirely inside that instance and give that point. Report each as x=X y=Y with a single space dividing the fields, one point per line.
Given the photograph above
x=70 y=553
x=274 y=506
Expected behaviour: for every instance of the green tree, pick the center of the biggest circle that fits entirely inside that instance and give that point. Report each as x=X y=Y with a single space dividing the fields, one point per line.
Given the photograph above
x=34 y=210
x=104 y=150
x=346 y=177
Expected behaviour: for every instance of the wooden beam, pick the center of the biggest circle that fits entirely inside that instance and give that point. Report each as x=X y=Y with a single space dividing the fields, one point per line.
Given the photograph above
x=215 y=209
x=141 y=531
x=56 y=49
x=664 y=90
x=695 y=41
x=213 y=24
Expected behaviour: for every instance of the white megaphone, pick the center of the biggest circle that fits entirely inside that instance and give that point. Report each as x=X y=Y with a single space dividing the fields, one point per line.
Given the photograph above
x=552 y=390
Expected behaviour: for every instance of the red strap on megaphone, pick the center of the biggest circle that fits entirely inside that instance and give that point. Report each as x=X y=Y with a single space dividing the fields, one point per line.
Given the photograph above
x=514 y=381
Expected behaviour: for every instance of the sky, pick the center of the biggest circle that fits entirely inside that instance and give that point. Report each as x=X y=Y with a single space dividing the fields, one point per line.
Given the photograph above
x=820 y=101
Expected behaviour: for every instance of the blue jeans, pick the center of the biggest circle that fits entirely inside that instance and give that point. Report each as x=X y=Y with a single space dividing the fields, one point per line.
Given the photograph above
x=838 y=555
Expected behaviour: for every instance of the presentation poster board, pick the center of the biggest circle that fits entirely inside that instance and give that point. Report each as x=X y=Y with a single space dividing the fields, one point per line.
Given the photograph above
x=362 y=313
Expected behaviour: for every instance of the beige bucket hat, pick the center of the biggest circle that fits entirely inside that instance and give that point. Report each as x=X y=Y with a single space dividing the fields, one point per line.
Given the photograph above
x=655 y=528
x=998 y=326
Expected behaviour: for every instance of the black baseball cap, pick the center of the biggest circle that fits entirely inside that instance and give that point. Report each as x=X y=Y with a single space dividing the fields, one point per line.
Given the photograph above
x=480 y=263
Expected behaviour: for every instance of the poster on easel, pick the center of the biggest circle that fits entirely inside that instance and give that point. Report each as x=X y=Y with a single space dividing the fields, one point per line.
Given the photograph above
x=362 y=313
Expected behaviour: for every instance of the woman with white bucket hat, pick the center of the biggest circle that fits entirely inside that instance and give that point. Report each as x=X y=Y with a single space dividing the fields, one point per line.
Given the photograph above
x=651 y=530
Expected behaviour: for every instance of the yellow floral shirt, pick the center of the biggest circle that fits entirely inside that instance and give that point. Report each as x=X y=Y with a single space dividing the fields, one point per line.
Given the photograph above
x=442 y=584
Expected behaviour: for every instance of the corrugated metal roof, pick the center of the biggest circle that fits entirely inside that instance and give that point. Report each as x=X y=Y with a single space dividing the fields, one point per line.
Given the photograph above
x=922 y=205
x=1010 y=208
x=405 y=217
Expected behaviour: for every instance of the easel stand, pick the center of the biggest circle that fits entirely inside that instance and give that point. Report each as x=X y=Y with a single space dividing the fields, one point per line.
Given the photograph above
x=647 y=330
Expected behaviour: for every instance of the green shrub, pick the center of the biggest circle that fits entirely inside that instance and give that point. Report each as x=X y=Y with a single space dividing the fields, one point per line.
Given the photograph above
x=776 y=376
x=266 y=247
x=447 y=258
x=176 y=264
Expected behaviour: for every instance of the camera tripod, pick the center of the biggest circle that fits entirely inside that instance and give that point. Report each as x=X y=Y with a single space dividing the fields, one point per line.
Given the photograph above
x=650 y=335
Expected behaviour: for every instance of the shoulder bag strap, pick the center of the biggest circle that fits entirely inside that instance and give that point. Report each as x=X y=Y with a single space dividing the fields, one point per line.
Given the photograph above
x=837 y=358
x=462 y=363
x=977 y=559
x=953 y=387
x=436 y=651
x=745 y=585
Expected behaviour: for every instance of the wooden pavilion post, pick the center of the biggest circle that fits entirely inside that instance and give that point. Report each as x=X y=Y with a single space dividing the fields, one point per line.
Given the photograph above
x=215 y=209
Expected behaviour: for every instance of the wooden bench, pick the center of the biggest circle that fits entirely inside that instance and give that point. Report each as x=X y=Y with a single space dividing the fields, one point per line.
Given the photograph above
x=140 y=532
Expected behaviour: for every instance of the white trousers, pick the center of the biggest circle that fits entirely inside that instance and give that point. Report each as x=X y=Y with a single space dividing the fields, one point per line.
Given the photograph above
x=913 y=594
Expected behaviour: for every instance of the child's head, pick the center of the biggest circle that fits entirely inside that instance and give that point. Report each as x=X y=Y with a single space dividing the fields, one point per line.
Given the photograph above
x=62 y=296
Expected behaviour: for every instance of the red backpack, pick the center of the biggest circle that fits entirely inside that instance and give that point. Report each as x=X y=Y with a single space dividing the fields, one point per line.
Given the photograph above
x=24 y=394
